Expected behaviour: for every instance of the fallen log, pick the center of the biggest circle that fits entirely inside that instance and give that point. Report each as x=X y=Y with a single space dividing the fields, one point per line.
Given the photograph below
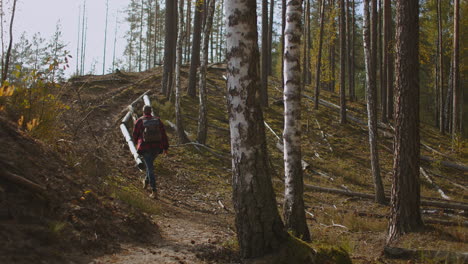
x=439 y=190
x=451 y=205
x=403 y=253
x=132 y=147
x=23 y=182
x=446 y=163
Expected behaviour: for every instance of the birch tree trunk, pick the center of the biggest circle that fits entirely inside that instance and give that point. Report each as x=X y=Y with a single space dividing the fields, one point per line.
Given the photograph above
x=259 y=227
x=343 y=57
x=371 y=93
x=319 y=56
x=202 y=114
x=405 y=213
x=294 y=214
x=180 y=40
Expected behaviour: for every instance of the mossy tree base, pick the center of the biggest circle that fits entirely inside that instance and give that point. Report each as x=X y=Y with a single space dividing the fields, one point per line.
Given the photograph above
x=297 y=251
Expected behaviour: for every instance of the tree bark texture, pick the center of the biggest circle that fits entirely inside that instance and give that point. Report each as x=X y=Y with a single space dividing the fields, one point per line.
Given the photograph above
x=195 y=58
x=168 y=48
x=456 y=69
x=264 y=56
x=179 y=123
x=405 y=214
x=294 y=214
x=259 y=227
x=319 y=56
x=343 y=57
x=349 y=48
x=306 y=45
x=270 y=37
x=371 y=94
x=203 y=112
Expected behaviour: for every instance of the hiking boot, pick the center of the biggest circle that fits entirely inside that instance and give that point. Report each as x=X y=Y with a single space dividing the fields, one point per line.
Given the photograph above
x=154 y=194
x=145 y=184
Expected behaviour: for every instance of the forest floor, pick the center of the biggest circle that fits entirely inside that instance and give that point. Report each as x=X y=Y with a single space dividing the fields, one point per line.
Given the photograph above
x=96 y=211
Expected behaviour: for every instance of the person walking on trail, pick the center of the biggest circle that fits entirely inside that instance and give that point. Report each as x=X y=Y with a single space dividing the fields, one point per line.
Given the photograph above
x=151 y=138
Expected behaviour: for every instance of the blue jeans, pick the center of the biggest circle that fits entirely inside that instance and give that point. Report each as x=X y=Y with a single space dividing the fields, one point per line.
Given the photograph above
x=149 y=157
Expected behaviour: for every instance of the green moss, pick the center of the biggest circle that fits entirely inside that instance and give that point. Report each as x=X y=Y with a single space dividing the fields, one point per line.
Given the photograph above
x=332 y=254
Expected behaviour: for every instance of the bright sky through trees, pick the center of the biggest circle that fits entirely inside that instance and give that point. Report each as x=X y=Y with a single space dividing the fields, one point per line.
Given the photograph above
x=42 y=16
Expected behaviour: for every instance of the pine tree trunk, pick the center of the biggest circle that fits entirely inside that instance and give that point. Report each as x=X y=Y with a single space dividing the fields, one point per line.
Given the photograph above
x=383 y=61
x=195 y=60
x=264 y=55
x=182 y=137
x=448 y=101
x=440 y=72
x=259 y=227
x=390 y=47
x=140 y=40
x=319 y=56
x=343 y=57
x=202 y=114
x=168 y=48
x=405 y=211
x=188 y=30
x=294 y=214
x=349 y=48
x=306 y=46
x=456 y=69
x=371 y=94
x=270 y=37
x=387 y=50
x=352 y=52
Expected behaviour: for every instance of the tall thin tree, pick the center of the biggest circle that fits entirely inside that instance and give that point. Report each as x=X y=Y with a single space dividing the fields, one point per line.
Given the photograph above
x=203 y=112
x=182 y=137
x=105 y=40
x=319 y=56
x=440 y=72
x=456 y=69
x=294 y=214
x=10 y=45
x=343 y=57
x=264 y=54
x=168 y=47
x=405 y=211
x=270 y=36
x=371 y=92
x=195 y=58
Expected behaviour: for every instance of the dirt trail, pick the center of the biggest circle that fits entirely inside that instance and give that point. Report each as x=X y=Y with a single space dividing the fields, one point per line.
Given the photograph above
x=192 y=229
x=186 y=237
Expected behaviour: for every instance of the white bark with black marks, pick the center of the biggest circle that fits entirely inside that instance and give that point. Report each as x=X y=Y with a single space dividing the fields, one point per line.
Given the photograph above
x=294 y=214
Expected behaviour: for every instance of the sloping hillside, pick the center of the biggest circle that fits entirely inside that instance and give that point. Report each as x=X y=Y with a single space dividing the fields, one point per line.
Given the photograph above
x=95 y=209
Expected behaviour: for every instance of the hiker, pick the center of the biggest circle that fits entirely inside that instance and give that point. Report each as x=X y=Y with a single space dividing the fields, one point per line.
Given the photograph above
x=151 y=139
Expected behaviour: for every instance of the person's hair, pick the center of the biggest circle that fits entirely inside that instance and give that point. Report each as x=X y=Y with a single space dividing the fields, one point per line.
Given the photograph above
x=147 y=109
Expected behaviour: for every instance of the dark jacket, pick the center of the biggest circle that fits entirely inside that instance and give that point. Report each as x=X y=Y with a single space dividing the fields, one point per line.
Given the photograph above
x=144 y=146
